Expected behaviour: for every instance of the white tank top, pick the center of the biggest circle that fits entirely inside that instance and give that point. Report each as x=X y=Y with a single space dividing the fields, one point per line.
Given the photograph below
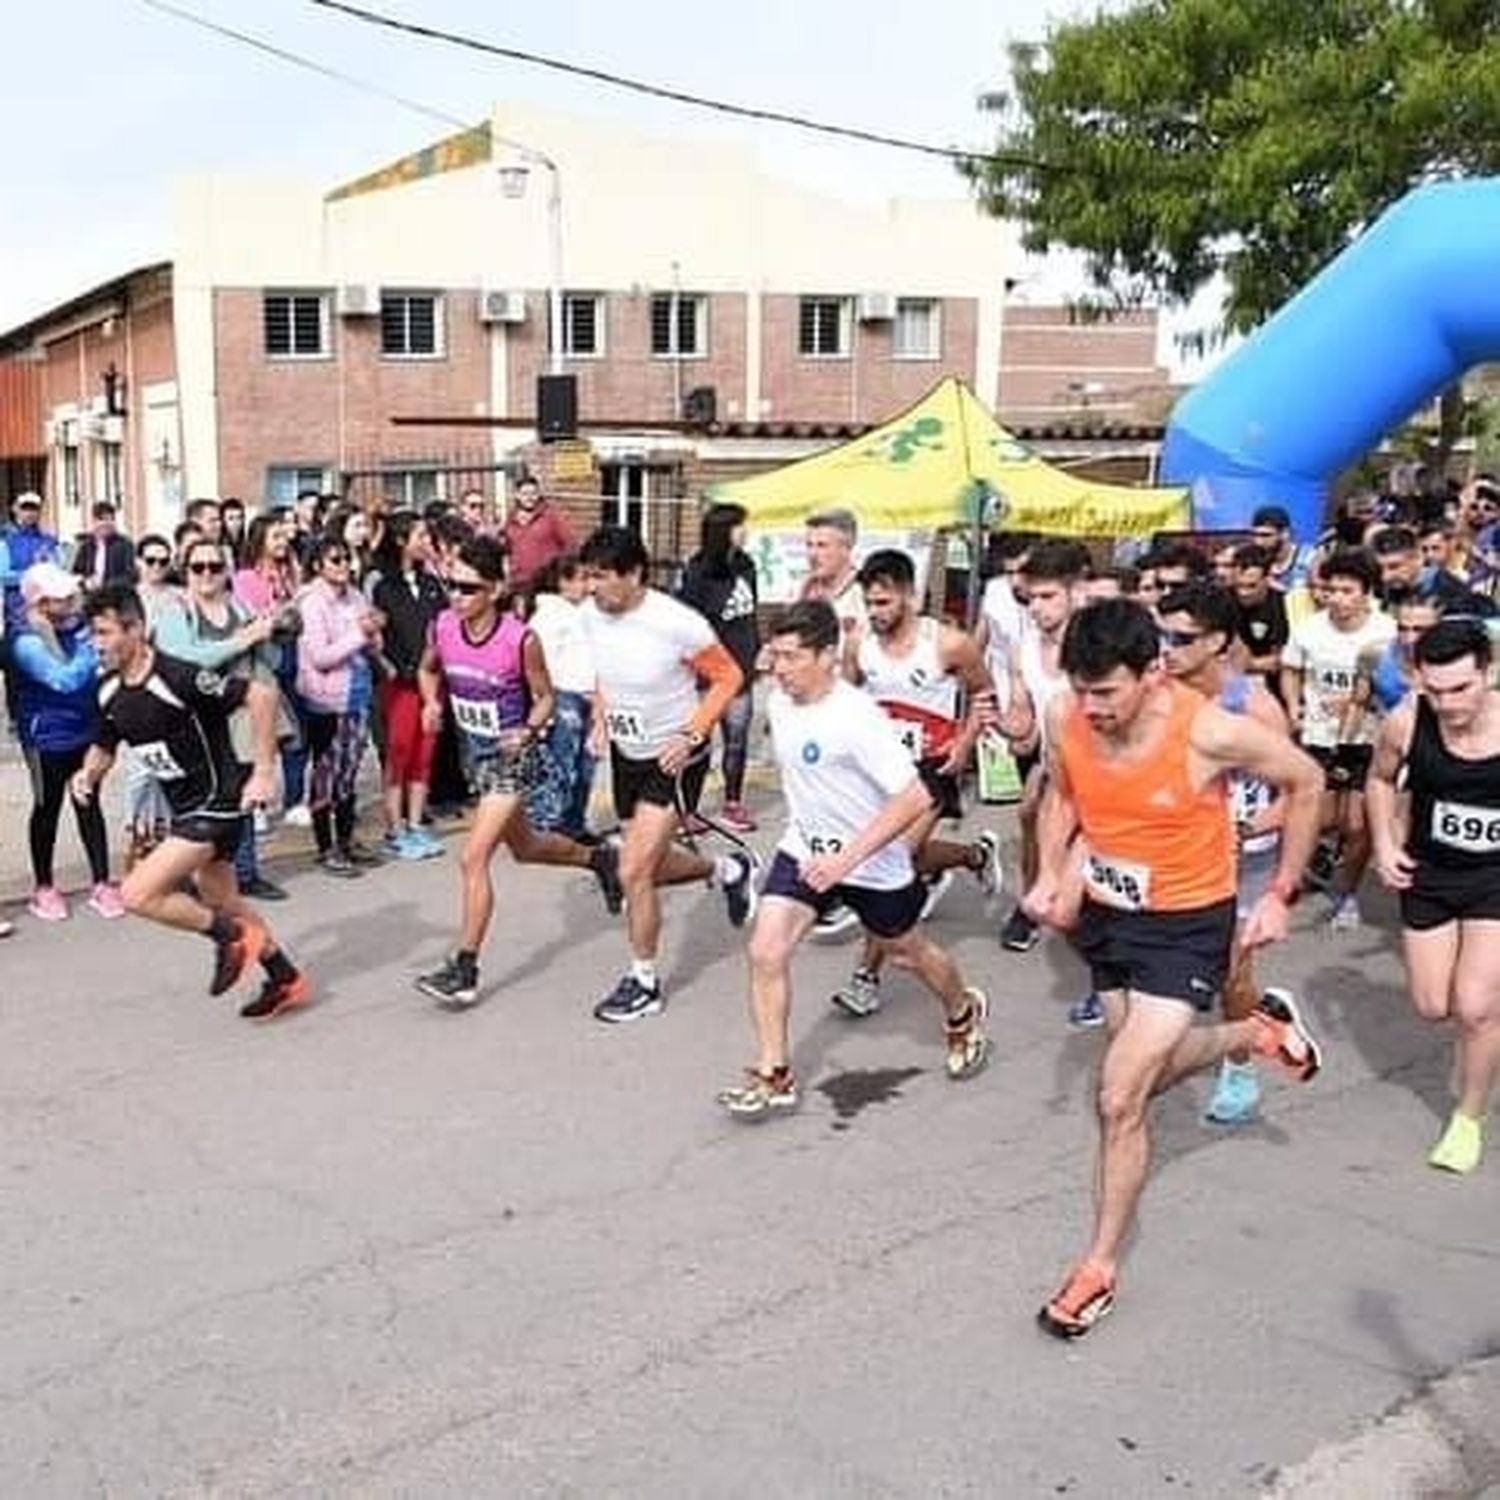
x=915 y=691
x=1042 y=685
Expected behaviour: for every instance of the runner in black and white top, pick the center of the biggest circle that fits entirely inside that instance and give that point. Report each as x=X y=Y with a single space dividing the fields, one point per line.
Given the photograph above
x=919 y=671
x=176 y=718
x=1446 y=740
x=651 y=652
x=852 y=791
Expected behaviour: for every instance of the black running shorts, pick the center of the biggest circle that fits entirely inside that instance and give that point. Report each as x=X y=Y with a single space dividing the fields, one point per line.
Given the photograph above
x=636 y=781
x=1345 y=767
x=1438 y=895
x=943 y=788
x=223 y=832
x=887 y=914
x=1179 y=955
x=505 y=773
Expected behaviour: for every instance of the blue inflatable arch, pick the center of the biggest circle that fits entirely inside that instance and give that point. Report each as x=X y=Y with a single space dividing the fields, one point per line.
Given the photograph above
x=1393 y=320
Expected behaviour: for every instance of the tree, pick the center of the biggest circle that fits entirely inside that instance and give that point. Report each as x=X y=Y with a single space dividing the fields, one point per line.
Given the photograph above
x=1177 y=139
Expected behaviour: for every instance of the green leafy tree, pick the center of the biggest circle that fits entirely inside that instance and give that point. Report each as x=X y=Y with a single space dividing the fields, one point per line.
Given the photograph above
x=1175 y=139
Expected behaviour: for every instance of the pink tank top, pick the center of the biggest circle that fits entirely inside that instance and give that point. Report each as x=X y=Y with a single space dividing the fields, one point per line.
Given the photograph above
x=486 y=679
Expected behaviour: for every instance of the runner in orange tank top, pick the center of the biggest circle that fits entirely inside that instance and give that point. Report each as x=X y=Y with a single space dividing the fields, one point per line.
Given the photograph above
x=1137 y=769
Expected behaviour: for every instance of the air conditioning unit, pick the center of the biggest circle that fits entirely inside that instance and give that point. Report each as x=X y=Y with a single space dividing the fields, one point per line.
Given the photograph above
x=502 y=307
x=876 y=307
x=358 y=300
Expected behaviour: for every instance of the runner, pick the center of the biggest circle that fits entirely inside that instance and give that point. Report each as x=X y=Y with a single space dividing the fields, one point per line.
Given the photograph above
x=1319 y=668
x=490 y=667
x=1446 y=868
x=1198 y=631
x=650 y=653
x=852 y=791
x=1137 y=767
x=177 y=718
x=916 y=668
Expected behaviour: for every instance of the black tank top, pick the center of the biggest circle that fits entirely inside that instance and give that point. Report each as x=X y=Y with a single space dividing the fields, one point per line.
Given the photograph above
x=1455 y=803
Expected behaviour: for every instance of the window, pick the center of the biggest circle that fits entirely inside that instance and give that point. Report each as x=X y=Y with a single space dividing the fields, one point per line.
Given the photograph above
x=296 y=325
x=917 y=332
x=72 y=469
x=684 y=335
x=823 y=327
x=111 y=473
x=583 y=324
x=411 y=325
x=284 y=482
x=411 y=489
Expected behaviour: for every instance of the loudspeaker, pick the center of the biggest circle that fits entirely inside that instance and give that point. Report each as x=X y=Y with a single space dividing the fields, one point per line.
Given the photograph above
x=556 y=407
x=701 y=406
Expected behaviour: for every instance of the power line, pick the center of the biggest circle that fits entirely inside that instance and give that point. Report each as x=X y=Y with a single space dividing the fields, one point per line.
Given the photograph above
x=659 y=91
x=271 y=50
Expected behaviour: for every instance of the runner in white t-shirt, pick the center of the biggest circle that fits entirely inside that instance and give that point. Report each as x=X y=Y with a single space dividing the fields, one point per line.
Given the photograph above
x=1320 y=668
x=650 y=653
x=852 y=791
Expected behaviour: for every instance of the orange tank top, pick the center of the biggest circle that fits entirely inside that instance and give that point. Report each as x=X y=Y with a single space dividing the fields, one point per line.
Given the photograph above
x=1152 y=841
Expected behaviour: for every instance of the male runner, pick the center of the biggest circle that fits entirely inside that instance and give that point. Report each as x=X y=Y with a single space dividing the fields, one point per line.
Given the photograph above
x=1446 y=738
x=490 y=665
x=915 y=668
x=1198 y=631
x=1137 y=767
x=650 y=652
x=1319 y=668
x=852 y=791
x=176 y=718
x=831 y=572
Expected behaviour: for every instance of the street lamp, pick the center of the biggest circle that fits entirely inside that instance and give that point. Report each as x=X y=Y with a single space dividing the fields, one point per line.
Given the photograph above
x=513 y=178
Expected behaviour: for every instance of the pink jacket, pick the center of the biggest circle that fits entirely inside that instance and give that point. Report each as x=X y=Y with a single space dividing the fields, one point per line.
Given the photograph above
x=331 y=638
x=262 y=591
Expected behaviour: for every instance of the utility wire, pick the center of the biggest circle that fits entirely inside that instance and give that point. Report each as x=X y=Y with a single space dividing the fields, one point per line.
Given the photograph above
x=271 y=50
x=659 y=91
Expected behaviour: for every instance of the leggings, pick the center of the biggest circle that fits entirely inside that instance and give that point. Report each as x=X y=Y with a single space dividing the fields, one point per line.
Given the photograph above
x=336 y=743
x=735 y=727
x=408 y=747
x=50 y=773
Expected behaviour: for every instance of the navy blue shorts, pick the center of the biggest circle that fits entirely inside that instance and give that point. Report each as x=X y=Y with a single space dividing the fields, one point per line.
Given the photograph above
x=887 y=914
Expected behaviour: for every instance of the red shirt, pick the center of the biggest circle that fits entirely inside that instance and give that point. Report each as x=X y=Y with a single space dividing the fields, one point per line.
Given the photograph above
x=532 y=544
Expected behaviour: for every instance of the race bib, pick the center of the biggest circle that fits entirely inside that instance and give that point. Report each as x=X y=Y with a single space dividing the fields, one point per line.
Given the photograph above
x=1117 y=883
x=1335 y=681
x=159 y=761
x=822 y=843
x=625 y=726
x=478 y=717
x=1468 y=829
x=910 y=736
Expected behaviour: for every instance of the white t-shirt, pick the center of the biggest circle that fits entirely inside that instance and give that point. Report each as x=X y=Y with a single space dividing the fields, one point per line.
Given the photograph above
x=642 y=658
x=559 y=626
x=1009 y=627
x=841 y=761
x=1328 y=657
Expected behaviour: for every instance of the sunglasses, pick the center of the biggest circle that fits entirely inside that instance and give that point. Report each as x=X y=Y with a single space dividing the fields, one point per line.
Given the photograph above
x=337 y=558
x=205 y=567
x=1180 y=638
x=156 y=560
x=466 y=587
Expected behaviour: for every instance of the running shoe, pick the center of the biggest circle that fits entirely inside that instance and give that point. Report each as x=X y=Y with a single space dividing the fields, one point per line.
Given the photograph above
x=236 y=953
x=629 y=1001
x=455 y=985
x=1086 y=1014
x=1462 y=1145
x=48 y=904
x=395 y=844
x=1019 y=934
x=937 y=886
x=1086 y=1296
x=968 y=1046
x=738 y=818
x=337 y=863
x=361 y=854
x=261 y=889
x=299 y=815
x=1323 y=866
x=604 y=861
x=834 y=921
x=761 y=1094
x=1346 y=915
x=859 y=995
x=1284 y=1037
x=991 y=873
x=7 y=929
x=276 y=996
x=1236 y=1097
x=104 y=901
x=739 y=893
x=423 y=845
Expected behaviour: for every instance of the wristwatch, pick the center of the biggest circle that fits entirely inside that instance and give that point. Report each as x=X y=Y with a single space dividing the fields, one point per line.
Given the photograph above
x=694 y=737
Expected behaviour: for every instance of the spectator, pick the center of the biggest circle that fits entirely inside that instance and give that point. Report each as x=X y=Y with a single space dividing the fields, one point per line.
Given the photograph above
x=475 y=511
x=1436 y=539
x=719 y=582
x=24 y=545
x=1402 y=574
x=185 y=536
x=232 y=512
x=350 y=526
x=535 y=532
x=147 y=812
x=104 y=555
x=307 y=522
x=831 y=573
x=208 y=517
x=153 y=578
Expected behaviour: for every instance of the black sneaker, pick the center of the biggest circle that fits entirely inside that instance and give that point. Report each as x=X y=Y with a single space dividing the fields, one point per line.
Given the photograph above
x=361 y=855
x=277 y=995
x=261 y=889
x=1019 y=934
x=337 y=863
x=629 y=1001
x=243 y=947
x=455 y=985
x=739 y=893
x=1323 y=867
x=605 y=863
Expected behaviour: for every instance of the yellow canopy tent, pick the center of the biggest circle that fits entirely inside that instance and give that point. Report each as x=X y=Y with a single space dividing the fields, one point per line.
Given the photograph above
x=931 y=466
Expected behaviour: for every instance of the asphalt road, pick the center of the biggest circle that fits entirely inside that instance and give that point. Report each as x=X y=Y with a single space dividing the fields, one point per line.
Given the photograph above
x=378 y=1249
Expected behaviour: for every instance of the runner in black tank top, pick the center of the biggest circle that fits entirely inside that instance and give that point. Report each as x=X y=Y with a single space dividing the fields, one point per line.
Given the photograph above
x=1447 y=740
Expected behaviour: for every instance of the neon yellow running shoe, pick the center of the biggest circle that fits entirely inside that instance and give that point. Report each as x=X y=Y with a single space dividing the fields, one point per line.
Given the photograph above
x=1461 y=1147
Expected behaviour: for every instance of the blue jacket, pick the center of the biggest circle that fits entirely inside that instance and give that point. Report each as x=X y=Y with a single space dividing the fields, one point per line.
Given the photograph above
x=18 y=550
x=56 y=698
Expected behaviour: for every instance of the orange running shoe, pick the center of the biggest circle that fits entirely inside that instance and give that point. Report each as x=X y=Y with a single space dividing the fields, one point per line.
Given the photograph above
x=1086 y=1296
x=236 y=953
x=276 y=996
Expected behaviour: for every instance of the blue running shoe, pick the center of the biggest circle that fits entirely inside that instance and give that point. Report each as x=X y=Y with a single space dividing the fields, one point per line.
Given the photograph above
x=1088 y=1013
x=1236 y=1099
